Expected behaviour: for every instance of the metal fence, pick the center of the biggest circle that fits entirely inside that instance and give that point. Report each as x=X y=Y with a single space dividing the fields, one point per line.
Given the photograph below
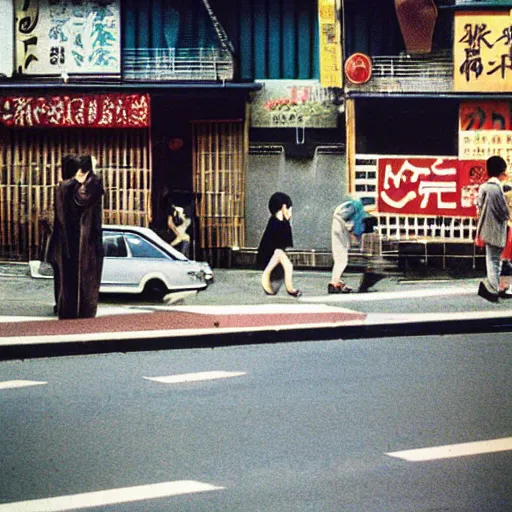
x=178 y=64
x=410 y=73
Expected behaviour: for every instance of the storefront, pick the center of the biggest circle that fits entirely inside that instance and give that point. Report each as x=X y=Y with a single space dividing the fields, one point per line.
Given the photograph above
x=37 y=131
x=156 y=113
x=421 y=126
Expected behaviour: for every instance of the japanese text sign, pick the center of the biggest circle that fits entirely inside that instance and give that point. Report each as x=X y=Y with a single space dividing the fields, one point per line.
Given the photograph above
x=294 y=103
x=429 y=186
x=482 y=51
x=95 y=111
x=59 y=37
x=484 y=115
x=330 y=43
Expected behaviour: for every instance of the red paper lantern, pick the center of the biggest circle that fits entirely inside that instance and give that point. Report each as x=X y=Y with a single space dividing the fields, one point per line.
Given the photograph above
x=358 y=68
x=175 y=143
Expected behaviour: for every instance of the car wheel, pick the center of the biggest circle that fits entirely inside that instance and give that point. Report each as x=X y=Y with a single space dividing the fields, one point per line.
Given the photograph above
x=154 y=290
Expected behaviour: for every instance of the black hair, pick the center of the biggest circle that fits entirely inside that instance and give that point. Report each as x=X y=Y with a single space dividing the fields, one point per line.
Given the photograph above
x=69 y=166
x=86 y=163
x=496 y=166
x=277 y=200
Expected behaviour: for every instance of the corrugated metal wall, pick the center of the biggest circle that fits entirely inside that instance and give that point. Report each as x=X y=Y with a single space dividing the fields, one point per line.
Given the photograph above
x=273 y=39
x=167 y=24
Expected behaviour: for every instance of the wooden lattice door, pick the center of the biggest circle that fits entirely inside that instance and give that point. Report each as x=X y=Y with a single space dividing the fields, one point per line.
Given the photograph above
x=30 y=163
x=219 y=183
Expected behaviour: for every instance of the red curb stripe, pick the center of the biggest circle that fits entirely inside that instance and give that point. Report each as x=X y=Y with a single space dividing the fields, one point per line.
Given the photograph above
x=169 y=320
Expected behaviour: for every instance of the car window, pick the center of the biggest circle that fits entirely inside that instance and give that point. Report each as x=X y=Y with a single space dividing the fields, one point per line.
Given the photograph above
x=114 y=245
x=141 y=248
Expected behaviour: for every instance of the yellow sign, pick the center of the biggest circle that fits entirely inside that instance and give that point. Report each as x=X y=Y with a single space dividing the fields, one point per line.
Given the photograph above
x=330 y=44
x=483 y=51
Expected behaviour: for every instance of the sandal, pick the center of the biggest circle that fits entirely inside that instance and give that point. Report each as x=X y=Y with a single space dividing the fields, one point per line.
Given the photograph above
x=340 y=287
x=334 y=288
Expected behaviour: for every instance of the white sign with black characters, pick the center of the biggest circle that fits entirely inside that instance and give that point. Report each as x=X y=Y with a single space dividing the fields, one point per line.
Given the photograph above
x=6 y=37
x=58 y=37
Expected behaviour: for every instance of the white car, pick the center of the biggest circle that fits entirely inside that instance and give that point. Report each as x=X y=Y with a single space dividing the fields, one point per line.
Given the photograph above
x=137 y=260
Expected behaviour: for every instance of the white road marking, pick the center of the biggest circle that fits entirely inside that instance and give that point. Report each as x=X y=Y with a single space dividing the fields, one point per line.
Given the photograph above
x=455 y=450
x=195 y=377
x=398 y=295
x=110 y=497
x=11 y=384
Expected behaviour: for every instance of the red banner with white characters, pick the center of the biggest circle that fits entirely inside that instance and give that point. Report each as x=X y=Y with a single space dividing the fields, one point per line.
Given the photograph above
x=429 y=186
x=76 y=111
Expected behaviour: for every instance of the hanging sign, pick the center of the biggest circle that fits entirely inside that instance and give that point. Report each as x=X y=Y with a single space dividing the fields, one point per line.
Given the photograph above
x=330 y=43
x=358 y=68
x=97 y=111
x=482 y=51
x=429 y=186
x=295 y=104
x=58 y=37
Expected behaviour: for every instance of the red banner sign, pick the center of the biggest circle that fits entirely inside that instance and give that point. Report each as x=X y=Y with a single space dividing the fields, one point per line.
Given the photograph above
x=92 y=111
x=485 y=115
x=429 y=186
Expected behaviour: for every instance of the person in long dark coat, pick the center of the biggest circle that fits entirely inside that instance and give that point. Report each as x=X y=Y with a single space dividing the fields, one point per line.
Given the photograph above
x=69 y=167
x=276 y=238
x=76 y=248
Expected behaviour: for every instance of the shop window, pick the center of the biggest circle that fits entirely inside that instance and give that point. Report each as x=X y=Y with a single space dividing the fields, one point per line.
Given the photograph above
x=405 y=126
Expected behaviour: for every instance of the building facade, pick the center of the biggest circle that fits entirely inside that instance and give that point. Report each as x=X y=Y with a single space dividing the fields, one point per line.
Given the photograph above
x=221 y=104
x=436 y=106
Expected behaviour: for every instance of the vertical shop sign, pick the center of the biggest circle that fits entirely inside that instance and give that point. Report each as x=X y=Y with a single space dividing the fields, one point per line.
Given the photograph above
x=6 y=37
x=330 y=43
x=428 y=186
x=57 y=37
x=483 y=51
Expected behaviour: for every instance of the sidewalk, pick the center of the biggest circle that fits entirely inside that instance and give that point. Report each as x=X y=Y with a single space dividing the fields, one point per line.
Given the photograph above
x=234 y=310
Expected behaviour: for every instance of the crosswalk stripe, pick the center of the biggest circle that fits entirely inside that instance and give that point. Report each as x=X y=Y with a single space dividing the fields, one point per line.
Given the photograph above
x=110 y=497
x=195 y=377
x=11 y=384
x=454 y=450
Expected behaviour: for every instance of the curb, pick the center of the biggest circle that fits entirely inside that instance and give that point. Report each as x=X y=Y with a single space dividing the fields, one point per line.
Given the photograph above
x=141 y=341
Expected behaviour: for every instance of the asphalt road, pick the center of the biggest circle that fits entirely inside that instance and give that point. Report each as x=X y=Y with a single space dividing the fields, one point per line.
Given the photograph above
x=297 y=427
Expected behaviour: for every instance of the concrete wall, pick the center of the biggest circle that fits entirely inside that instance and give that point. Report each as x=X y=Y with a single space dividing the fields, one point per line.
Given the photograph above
x=315 y=185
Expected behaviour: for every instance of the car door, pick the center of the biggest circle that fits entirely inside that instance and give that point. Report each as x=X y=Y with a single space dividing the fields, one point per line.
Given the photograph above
x=117 y=275
x=151 y=262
